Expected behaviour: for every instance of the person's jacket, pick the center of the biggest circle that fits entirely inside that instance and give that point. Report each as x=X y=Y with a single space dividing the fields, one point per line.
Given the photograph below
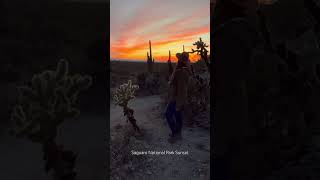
x=178 y=90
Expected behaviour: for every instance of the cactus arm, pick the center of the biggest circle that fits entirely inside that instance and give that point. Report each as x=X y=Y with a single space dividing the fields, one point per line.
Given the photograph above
x=48 y=101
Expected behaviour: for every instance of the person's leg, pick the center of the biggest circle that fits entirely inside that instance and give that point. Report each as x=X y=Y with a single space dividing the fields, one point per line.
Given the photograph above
x=178 y=115
x=170 y=111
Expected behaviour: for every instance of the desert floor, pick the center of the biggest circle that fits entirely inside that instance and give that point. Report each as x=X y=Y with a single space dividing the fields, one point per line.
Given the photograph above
x=149 y=115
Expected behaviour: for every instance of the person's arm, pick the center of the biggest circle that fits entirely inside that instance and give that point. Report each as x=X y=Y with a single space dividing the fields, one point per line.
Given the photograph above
x=173 y=78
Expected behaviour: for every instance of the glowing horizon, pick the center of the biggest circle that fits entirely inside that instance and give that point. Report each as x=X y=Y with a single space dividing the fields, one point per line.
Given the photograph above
x=169 y=24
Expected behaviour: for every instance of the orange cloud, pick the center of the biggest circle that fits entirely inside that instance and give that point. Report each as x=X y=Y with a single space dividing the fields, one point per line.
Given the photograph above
x=160 y=50
x=132 y=42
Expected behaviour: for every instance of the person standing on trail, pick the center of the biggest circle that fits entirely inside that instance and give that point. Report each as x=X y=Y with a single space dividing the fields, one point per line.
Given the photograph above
x=178 y=87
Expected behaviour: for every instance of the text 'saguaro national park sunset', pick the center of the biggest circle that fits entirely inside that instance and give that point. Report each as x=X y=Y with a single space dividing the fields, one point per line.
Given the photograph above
x=169 y=24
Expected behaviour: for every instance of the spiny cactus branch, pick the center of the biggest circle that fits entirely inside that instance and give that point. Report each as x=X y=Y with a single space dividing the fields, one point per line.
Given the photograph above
x=202 y=51
x=122 y=96
x=46 y=103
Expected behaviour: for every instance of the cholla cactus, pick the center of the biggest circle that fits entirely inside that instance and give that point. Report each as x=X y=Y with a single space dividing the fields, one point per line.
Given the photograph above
x=202 y=51
x=125 y=93
x=122 y=97
x=49 y=101
x=44 y=105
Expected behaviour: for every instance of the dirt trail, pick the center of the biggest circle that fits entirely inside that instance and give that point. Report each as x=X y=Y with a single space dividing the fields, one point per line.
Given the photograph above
x=195 y=165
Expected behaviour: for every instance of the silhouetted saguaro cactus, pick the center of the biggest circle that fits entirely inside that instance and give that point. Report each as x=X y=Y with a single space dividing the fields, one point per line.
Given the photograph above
x=150 y=60
x=43 y=106
x=170 y=67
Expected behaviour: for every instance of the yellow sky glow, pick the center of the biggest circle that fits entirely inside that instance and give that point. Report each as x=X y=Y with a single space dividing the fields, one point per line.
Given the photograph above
x=130 y=35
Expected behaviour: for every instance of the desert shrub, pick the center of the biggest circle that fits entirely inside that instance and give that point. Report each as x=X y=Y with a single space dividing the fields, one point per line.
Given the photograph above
x=151 y=83
x=141 y=79
x=199 y=97
x=199 y=66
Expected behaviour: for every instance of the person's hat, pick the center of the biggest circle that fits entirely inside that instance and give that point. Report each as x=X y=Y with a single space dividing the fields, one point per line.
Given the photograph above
x=183 y=56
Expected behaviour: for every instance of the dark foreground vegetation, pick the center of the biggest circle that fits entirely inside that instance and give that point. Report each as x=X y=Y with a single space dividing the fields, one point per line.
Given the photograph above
x=35 y=36
x=266 y=61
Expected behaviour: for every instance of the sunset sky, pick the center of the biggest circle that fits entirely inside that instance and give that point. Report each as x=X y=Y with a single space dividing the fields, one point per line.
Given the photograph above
x=169 y=24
